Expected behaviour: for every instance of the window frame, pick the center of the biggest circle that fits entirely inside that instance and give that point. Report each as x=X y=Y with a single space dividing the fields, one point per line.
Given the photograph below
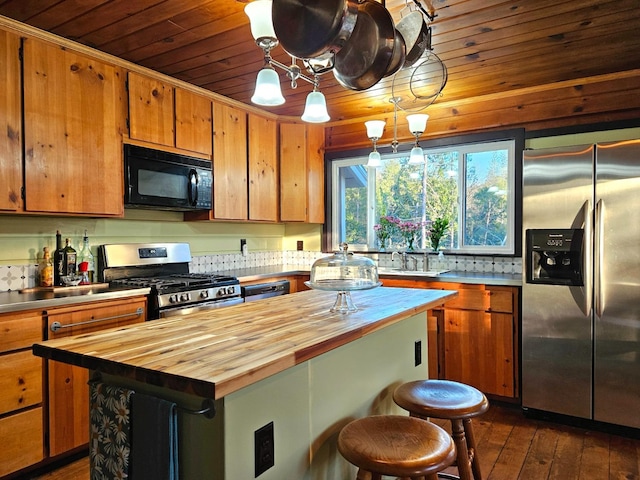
x=358 y=155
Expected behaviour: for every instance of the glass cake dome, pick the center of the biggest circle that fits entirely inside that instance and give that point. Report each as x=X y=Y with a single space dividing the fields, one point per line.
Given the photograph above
x=342 y=273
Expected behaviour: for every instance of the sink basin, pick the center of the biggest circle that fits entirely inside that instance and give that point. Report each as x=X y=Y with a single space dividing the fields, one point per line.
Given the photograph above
x=399 y=271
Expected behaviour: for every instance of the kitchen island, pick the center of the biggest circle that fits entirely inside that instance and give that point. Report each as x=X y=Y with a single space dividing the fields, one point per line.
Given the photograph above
x=285 y=360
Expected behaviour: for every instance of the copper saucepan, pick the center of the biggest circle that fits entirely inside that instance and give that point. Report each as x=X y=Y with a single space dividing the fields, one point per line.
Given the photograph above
x=365 y=58
x=311 y=28
x=416 y=34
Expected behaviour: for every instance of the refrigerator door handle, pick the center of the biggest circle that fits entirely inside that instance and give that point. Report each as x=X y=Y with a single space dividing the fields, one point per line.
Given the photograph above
x=587 y=257
x=599 y=258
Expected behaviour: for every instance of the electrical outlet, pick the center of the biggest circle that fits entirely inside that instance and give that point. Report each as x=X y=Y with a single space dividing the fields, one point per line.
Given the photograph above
x=300 y=245
x=264 y=449
x=243 y=247
x=417 y=352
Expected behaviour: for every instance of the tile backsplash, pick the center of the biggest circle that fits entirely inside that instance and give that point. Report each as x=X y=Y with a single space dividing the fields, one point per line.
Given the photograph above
x=17 y=277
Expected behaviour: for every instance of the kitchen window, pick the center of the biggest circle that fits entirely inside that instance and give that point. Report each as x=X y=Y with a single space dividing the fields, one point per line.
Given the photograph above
x=473 y=185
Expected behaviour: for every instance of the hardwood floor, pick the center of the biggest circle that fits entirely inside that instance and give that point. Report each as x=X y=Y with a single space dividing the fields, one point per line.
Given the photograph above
x=512 y=446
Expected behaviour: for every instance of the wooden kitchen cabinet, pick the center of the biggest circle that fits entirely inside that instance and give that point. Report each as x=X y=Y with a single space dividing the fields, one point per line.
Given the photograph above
x=230 y=195
x=21 y=386
x=74 y=118
x=10 y=123
x=301 y=173
x=151 y=110
x=263 y=169
x=162 y=114
x=474 y=337
x=68 y=391
x=194 y=118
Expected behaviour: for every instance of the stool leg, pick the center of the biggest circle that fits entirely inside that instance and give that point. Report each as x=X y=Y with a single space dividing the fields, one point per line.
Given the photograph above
x=366 y=475
x=462 y=454
x=471 y=443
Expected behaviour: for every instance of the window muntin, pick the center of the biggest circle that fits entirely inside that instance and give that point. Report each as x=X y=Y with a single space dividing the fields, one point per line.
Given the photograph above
x=482 y=219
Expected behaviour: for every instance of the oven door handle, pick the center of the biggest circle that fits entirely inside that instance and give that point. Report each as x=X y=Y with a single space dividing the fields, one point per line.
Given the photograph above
x=55 y=326
x=193 y=187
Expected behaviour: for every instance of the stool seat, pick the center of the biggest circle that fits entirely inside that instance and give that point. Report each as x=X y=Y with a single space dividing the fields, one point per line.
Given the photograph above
x=441 y=399
x=451 y=401
x=396 y=445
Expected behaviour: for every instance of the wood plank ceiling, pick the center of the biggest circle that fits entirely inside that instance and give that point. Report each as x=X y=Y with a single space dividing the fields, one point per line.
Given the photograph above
x=488 y=46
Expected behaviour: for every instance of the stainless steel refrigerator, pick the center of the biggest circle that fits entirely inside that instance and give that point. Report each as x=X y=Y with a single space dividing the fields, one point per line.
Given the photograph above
x=581 y=285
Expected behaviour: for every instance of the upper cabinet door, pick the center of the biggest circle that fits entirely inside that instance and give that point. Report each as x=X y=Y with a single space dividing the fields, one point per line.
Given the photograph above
x=74 y=114
x=263 y=169
x=230 y=195
x=293 y=172
x=301 y=173
x=10 y=123
x=315 y=169
x=193 y=122
x=151 y=110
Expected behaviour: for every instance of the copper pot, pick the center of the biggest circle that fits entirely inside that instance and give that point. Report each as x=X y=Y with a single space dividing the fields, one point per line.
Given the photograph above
x=365 y=58
x=311 y=28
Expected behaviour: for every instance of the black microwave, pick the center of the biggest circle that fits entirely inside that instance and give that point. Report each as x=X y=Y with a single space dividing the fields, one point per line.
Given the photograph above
x=166 y=181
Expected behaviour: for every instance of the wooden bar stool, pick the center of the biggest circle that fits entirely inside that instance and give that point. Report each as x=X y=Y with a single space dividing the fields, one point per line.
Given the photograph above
x=453 y=401
x=396 y=445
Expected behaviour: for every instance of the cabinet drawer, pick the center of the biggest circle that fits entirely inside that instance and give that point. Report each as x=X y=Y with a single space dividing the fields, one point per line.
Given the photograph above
x=20 y=330
x=468 y=299
x=501 y=300
x=92 y=317
x=20 y=381
x=24 y=443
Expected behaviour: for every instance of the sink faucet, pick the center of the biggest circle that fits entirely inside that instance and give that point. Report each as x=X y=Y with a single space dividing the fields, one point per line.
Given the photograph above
x=404 y=260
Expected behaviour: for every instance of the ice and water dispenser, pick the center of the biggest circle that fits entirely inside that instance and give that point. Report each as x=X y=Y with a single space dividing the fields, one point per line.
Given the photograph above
x=555 y=257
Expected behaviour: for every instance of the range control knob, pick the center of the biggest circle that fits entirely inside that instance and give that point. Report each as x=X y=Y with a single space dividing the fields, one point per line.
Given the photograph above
x=204 y=294
x=173 y=299
x=185 y=297
x=222 y=291
x=231 y=290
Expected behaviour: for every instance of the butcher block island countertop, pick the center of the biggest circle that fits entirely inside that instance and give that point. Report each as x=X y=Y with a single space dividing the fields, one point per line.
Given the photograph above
x=284 y=365
x=215 y=352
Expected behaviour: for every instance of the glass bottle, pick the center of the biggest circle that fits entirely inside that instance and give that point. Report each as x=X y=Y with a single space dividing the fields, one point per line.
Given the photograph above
x=85 y=255
x=69 y=258
x=46 y=269
x=58 y=261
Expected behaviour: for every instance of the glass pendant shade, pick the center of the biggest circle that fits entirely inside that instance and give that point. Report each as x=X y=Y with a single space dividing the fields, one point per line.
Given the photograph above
x=259 y=13
x=417 y=156
x=374 y=159
x=315 y=110
x=268 y=91
x=375 y=128
x=417 y=122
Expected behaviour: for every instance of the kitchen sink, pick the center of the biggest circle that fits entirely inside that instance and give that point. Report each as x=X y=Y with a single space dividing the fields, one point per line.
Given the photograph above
x=400 y=271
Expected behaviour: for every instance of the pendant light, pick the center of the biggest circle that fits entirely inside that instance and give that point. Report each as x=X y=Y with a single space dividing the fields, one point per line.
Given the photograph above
x=268 y=92
x=375 y=128
x=417 y=125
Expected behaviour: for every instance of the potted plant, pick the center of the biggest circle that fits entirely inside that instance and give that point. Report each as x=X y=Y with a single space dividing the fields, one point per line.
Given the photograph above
x=437 y=231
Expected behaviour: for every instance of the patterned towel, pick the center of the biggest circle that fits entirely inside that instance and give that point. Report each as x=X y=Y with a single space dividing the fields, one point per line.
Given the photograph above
x=110 y=431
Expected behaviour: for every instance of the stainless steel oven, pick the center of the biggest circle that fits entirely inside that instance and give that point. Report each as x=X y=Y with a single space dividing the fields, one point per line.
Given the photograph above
x=164 y=268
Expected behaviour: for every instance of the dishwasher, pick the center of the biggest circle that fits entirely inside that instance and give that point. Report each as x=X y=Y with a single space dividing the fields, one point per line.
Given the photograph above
x=251 y=293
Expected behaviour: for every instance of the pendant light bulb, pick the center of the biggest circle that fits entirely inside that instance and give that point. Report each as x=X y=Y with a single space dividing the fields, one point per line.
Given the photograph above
x=268 y=92
x=417 y=156
x=315 y=110
x=374 y=159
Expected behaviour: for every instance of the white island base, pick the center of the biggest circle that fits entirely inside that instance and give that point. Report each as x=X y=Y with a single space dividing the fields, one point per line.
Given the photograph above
x=308 y=404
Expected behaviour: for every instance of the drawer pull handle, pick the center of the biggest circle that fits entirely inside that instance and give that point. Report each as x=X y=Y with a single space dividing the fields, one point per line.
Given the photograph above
x=55 y=326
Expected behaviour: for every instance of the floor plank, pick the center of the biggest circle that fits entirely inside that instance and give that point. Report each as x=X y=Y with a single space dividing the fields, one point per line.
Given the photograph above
x=514 y=447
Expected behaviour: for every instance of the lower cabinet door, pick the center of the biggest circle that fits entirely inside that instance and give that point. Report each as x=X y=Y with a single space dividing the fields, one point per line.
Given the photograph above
x=68 y=389
x=479 y=350
x=22 y=440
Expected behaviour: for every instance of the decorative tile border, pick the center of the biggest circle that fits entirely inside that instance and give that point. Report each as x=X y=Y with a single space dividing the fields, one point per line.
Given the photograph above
x=16 y=277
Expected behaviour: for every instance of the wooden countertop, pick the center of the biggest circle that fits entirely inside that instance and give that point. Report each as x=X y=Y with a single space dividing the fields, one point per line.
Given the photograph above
x=215 y=352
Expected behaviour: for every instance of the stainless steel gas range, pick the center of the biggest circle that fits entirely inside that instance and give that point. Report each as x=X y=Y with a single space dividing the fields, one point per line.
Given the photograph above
x=164 y=268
